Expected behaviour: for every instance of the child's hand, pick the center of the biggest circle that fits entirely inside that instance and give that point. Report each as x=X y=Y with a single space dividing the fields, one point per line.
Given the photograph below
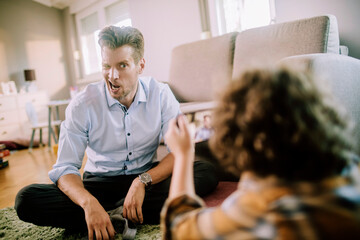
x=178 y=137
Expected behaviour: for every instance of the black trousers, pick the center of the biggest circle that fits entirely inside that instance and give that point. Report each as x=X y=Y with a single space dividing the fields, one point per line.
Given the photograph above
x=47 y=205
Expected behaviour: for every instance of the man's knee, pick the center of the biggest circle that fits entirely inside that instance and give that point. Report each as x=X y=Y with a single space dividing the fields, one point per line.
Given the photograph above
x=205 y=177
x=33 y=199
x=23 y=202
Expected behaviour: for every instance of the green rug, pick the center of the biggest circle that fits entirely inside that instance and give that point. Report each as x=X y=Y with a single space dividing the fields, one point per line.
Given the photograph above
x=12 y=228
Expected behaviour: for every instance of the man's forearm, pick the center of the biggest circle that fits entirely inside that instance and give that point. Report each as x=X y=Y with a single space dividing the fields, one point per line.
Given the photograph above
x=163 y=170
x=73 y=187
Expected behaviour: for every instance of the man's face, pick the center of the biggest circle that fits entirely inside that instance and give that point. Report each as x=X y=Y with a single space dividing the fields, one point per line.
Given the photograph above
x=207 y=121
x=121 y=72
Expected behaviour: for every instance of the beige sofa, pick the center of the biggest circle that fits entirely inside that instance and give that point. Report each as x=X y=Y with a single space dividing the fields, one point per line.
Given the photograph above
x=199 y=70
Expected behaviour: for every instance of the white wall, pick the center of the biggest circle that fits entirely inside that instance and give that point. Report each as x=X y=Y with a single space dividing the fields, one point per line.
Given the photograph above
x=164 y=24
x=32 y=36
x=346 y=12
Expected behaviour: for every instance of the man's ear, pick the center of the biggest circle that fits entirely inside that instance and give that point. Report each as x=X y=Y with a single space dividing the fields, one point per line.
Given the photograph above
x=141 y=65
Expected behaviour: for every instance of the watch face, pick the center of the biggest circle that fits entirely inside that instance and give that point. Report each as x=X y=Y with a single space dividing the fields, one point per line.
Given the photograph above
x=145 y=178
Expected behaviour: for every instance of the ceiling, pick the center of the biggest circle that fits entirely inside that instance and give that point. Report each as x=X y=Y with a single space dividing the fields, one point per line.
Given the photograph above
x=60 y=4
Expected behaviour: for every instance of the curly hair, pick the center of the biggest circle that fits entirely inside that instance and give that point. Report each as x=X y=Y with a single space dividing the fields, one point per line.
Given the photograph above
x=279 y=122
x=114 y=37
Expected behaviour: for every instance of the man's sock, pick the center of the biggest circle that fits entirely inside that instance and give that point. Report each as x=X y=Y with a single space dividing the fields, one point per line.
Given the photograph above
x=122 y=224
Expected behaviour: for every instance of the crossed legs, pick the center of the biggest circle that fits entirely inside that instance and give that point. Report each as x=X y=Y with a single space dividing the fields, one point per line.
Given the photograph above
x=47 y=205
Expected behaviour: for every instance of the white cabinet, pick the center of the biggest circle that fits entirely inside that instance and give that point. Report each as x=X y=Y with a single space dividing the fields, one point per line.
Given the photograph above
x=14 y=123
x=9 y=118
x=8 y=103
x=9 y=132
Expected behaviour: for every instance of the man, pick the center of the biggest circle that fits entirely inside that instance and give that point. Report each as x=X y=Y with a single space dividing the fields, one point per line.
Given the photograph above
x=119 y=122
x=205 y=132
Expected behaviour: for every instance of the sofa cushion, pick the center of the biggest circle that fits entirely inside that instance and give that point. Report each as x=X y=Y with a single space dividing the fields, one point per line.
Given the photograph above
x=267 y=45
x=200 y=68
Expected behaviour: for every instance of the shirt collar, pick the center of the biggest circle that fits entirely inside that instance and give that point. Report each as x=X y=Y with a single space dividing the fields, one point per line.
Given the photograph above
x=140 y=95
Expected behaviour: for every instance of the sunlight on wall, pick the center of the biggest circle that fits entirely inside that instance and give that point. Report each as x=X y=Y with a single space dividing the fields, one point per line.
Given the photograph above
x=47 y=60
x=4 y=74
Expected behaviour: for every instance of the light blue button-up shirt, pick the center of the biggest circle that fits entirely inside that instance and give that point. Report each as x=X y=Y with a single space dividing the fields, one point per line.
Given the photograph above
x=117 y=141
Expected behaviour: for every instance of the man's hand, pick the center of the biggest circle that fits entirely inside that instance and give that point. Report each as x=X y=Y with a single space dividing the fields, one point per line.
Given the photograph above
x=98 y=221
x=133 y=202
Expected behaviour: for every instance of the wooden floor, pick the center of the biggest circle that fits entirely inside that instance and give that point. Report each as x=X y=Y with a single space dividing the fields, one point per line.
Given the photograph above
x=24 y=168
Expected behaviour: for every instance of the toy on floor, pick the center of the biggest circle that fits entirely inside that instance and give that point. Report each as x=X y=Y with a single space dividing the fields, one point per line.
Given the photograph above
x=3 y=153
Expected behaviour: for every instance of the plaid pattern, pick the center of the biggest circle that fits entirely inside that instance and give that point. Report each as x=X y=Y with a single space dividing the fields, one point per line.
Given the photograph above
x=269 y=209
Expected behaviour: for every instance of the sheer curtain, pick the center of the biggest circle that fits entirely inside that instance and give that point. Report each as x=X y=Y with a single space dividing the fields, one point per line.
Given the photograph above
x=239 y=15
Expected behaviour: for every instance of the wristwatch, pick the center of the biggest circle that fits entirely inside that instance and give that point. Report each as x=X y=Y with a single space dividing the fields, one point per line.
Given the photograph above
x=145 y=178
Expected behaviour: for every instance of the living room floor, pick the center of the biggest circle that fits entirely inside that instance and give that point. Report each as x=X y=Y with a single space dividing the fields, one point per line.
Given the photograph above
x=25 y=168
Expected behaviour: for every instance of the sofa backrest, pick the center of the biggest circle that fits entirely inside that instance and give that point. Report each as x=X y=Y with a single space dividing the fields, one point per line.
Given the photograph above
x=200 y=68
x=267 y=45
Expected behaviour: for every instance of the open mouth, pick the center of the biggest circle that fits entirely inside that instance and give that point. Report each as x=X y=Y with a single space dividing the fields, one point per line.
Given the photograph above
x=113 y=87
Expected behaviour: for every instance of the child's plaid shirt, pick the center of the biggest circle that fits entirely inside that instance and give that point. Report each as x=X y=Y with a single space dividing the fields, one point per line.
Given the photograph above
x=269 y=209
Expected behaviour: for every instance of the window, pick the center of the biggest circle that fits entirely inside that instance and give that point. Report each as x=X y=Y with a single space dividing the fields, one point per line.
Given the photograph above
x=118 y=14
x=89 y=22
x=89 y=31
x=239 y=15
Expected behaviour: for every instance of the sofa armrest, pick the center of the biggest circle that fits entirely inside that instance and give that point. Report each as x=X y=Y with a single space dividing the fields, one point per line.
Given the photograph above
x=193 y=107
x=341 y=72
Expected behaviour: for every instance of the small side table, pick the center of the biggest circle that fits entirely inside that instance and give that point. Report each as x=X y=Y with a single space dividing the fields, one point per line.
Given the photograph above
x=56 y=104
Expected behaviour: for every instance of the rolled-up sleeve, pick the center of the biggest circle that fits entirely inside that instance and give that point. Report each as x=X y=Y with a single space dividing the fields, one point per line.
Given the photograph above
x=186 y=217
x=72 y=142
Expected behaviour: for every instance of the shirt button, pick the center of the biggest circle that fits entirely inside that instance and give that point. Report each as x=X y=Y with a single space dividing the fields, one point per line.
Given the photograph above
x=128 y=134
x=130 y=153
